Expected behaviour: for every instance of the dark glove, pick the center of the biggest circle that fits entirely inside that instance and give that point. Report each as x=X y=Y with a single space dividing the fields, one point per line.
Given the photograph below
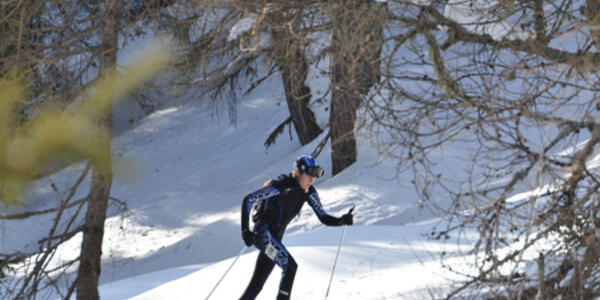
x=248 y=236
x=348 y=218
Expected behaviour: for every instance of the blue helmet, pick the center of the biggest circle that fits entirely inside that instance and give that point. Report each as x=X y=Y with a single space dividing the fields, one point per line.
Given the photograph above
x=307 y=165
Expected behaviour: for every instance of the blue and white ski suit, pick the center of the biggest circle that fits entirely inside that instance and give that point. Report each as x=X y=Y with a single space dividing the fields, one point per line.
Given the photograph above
x=275 y=206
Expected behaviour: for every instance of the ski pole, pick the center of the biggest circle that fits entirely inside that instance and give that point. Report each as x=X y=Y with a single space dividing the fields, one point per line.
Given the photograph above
x=231 y=266
x=335 y=262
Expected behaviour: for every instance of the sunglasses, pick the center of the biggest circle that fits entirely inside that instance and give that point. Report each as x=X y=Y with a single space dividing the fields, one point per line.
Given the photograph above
x=314 y=171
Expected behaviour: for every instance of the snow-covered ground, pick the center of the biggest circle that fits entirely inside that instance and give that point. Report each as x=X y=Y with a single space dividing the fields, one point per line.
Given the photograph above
x=183 y=174
x=376 y=262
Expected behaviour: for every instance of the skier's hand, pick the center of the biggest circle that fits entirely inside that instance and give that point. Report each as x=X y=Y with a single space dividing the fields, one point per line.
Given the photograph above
x=348 y=218
x=248 y=236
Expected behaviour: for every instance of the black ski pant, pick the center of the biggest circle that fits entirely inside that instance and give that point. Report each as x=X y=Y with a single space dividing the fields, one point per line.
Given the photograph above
x=271 y=252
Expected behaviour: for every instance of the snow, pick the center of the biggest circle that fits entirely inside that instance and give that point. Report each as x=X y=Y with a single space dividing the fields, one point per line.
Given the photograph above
x=183 y=173
x=184 y=170
x=376 y=262
x=242 y=26
x=474 y=17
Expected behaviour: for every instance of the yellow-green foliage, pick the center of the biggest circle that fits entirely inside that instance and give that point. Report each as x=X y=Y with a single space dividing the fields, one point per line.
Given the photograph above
x=73 y=133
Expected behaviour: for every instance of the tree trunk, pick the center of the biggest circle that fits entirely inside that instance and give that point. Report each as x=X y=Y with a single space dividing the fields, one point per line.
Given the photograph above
x=297 y=95
x=357 y=43
x=293 y=66
x=93 y=232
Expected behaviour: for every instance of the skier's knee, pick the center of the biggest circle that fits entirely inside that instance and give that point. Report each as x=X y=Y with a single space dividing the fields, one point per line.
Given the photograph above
x=292 y=265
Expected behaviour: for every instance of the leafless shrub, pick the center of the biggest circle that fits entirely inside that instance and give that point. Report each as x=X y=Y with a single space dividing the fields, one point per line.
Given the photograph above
x=494 y=107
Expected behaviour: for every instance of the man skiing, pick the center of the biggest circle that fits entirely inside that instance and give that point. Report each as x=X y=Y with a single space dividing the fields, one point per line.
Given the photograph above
x=274 y=206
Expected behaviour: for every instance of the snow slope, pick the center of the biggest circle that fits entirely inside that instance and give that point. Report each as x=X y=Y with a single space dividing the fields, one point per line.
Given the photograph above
x=376 y=262
x=183 y=173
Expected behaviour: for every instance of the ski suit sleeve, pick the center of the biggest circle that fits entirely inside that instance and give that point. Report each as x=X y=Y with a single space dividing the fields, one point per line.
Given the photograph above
x=261 y=195
x=315 y=203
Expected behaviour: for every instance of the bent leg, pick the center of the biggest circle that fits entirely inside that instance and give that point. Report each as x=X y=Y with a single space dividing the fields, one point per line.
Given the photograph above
x=274 y=250
x=287 y=279
x=264 y=266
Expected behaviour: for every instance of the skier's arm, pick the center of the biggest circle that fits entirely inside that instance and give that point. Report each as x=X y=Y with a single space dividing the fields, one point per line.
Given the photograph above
x=260 y=195
x=325 y=218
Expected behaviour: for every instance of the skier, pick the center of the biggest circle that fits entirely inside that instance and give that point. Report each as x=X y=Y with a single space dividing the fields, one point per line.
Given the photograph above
x=274 y=206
